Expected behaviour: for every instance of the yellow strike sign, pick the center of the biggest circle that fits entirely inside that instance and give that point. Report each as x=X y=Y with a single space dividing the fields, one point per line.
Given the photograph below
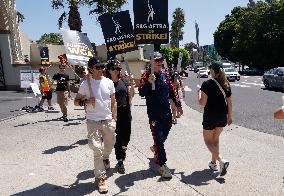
x=151 y=36
x=121 y=46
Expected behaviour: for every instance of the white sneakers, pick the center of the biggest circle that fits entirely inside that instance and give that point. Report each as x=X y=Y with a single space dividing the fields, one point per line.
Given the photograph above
x=223 y=166
x=212 y=166
x=165 y=171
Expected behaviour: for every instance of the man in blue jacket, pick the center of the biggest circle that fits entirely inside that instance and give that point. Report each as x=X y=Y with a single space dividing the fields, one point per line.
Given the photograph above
x=158 y=108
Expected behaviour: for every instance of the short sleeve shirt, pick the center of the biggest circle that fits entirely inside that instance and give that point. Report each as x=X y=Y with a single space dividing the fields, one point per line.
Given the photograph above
x=121 y=93
x=102 y=91
x=62 y=80
x=216 y=104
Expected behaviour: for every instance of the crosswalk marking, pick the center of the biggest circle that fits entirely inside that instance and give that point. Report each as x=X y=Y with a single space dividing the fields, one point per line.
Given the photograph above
x=251 y=83
x=240 y=85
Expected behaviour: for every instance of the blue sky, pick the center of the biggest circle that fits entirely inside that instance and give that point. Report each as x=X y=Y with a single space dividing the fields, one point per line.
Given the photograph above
x=41 y=18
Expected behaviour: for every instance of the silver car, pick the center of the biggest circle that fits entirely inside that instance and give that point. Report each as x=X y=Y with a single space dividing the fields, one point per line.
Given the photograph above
x=274 y=78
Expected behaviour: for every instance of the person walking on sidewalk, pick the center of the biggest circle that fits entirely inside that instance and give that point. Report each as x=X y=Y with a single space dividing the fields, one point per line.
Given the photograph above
x=215 y=96
x=158 y=109
x=97 y=94
x=62 y=90
x=45 y=88
x=124 y=91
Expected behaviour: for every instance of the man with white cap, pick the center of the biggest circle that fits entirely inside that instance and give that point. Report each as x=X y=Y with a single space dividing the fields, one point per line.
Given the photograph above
x=158 y=108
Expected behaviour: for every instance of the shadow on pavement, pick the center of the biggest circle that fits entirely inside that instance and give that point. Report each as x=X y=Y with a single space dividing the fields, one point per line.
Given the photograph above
x=273 y=89
x=65 y=148
x=124 y=182
x=201 y=178
x=54 y=190
x=52 y=120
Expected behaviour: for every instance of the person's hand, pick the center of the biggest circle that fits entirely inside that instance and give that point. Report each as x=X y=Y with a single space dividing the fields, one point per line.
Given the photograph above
x=152 y=78
x=229 y=120
x=179 y=110
x=89 y=102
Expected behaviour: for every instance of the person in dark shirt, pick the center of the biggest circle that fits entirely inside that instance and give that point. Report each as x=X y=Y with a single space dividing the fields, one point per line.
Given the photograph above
x=62 y=90
x=158 y=109
x=215 y=96
x=124 y=91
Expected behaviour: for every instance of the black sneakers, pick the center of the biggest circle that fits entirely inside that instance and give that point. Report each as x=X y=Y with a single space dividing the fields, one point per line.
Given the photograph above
x=120 y=167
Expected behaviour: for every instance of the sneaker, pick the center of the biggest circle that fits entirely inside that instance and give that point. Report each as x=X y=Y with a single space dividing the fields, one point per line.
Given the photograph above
x=223 y=167
x=120 y=167
x=106 y=164
x=103 y=189
x=212 y=166
x=165 y=171
x=152 y=148
x=65 y=119
x=51 y=108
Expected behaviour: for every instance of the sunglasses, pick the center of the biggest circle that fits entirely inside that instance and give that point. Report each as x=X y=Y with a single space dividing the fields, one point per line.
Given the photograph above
x=115 y=68
x=99 y=67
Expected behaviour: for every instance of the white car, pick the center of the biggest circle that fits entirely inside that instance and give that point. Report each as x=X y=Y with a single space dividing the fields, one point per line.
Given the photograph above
x=202 y=73
x=232 y=74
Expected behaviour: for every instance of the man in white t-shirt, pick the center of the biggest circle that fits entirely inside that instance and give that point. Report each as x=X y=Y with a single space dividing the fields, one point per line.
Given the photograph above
x=97 y=94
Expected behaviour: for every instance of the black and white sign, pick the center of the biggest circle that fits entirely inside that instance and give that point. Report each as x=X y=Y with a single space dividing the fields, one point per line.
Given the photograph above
x=26 y=78
x=78 y=47
x=151 y=21
x=118 y=33
x=44 y=55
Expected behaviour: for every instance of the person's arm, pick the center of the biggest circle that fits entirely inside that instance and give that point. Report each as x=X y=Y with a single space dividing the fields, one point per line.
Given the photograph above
x=78 y=101
x=173 y=94
x=230 y=110
x=68 y=87
x=113 y=107
x=202 y=98
x=145 y=86
x=279 y=113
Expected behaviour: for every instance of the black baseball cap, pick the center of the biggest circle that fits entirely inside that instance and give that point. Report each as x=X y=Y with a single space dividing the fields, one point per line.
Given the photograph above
x=95 y=62
x=113 y=64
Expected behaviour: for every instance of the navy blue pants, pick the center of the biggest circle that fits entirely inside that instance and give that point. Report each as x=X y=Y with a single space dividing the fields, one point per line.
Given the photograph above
x=160 y=131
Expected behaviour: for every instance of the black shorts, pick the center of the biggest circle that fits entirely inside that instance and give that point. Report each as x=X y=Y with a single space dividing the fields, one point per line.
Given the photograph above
x=47 y=95
x=216 y=121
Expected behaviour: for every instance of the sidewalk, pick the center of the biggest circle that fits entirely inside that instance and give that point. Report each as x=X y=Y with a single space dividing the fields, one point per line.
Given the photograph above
x=40 y=155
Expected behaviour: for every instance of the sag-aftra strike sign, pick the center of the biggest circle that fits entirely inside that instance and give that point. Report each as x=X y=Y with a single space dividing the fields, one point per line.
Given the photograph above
x=118 y=32
x=78 y=47
x=151 y=21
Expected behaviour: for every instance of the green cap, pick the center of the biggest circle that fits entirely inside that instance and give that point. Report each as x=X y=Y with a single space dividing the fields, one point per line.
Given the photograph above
x=216 y=65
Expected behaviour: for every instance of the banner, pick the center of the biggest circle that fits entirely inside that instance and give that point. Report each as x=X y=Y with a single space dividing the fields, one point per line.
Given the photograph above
x=77 y=46
x=151 y=21
x=44 y=55
x=118 y=33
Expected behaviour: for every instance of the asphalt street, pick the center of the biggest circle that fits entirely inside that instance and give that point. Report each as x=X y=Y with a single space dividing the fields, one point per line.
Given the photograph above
x=253 y=105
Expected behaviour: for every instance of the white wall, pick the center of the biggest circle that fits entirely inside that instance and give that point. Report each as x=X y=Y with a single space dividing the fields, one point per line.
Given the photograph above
x=11 y=73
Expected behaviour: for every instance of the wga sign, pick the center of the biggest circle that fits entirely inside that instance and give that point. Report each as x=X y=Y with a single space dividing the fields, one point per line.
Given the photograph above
x=117 y=26
x=81 y=49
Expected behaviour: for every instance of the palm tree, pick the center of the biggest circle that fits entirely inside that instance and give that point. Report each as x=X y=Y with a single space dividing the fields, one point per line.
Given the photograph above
x=96 y=7
x=176 y=27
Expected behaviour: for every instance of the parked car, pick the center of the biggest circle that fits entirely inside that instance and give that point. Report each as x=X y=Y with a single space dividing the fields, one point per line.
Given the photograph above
x=202 y=73
x=274 y=78
x=232 y=74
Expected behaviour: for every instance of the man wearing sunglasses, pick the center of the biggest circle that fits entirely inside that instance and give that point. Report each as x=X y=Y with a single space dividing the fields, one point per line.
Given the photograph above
x=158 y=108
x=97 y=94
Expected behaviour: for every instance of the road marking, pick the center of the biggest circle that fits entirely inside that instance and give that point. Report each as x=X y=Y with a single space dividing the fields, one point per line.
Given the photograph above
x=246 y=80
x=259 y=78
x=251 y=83
x=246 y=76
x=240 y=85
x=187 y=89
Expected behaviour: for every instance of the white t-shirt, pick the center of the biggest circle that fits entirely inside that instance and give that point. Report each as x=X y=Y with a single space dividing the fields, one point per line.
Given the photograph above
x=102 y=91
